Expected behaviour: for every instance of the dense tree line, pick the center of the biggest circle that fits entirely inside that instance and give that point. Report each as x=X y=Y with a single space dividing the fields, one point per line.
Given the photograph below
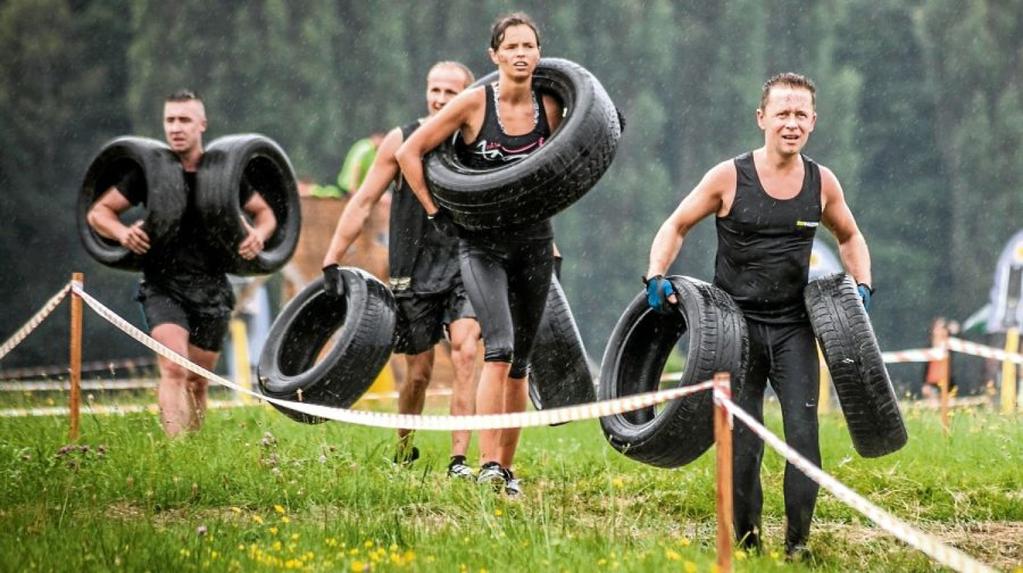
x=920 y=108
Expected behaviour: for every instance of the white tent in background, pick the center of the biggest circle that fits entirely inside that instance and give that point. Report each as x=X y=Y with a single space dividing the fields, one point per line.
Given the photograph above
x=1007 y=291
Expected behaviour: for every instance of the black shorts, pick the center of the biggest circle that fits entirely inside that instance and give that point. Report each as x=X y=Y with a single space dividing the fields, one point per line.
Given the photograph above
x=422 y=318
x=206 y=327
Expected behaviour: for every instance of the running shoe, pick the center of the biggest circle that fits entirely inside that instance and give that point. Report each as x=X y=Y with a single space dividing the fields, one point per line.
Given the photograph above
x=512 y=488
x=491 y=473
x=458 y=469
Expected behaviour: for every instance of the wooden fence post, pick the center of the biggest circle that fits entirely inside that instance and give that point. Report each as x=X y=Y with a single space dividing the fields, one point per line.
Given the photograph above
x=76 y=357
x=1009 y=379
x=723 y=441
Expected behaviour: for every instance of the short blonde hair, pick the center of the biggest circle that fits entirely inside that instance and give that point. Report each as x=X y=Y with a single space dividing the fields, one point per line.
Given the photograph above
x=469 y=77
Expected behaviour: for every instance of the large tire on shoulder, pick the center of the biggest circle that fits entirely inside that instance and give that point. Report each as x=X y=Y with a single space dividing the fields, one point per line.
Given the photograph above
x=857 y=369
x=364 y=320
x=227 y=164
x=162 y=189
x=559 y=373
x=550 y=179
x=634 y=361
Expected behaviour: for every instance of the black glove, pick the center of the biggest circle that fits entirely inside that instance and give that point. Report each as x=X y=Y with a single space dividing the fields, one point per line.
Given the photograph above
x=442 y=222
x=333 y=282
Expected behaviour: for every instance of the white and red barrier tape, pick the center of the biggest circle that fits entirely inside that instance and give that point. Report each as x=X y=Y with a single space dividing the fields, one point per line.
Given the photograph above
x=935 y=548
x=915 y=355
x=33 y=322
x=967 y=347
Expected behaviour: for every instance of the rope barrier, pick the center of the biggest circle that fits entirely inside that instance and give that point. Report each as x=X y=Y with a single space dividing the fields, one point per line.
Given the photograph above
x=34 y=322
x=94 y=366
x=408 y=421
x=115 y=409
x=101 y=385
x=935 y=548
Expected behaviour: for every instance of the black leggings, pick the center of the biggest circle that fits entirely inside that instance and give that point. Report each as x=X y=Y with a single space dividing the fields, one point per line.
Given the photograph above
x=787 y=355
x=507 y=284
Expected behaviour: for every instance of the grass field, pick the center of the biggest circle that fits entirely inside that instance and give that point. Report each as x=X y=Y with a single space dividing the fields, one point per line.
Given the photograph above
x=256 y=491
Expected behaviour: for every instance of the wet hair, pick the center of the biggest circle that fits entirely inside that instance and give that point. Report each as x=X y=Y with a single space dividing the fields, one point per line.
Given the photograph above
x=507 y=21
x=791 y=80
x=469 y=77
x=183 y=95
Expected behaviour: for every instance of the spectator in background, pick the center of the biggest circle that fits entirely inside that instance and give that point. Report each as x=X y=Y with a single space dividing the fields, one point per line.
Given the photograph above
x=353 y=169
x=938 y=370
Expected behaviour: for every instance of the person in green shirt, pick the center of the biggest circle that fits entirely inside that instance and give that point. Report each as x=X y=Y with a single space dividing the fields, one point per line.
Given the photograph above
x=357 y=163
x=353 y=169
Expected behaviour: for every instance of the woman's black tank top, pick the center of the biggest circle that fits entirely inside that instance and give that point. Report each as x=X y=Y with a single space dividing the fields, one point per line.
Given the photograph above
x=764 y=245
x=494 y=148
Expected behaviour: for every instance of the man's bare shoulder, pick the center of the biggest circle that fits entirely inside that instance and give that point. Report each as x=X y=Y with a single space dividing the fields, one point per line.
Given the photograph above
x=390 y=144
x=829 y=181
x=720 y=178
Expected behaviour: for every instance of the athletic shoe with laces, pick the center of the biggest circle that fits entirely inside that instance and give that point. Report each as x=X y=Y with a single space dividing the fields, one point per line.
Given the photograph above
x=492 y=474
x=406 y=457
x=511 y=485
x=458 y=469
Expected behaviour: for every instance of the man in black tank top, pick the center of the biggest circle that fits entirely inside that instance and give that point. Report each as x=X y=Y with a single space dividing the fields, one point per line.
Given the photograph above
x=184 y=292
x=768 y=204
x=425 y=278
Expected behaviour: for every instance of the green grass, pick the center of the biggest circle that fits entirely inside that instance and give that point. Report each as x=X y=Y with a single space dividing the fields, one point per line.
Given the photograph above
x=256 y=491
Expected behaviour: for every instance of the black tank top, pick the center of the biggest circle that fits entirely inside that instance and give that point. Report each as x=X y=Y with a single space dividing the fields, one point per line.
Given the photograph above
x=764 y=244
x=494 y=148
x=421 y=260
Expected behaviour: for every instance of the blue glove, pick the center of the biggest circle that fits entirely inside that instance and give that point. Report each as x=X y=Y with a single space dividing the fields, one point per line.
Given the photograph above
x=865 y=293
x=658 y=289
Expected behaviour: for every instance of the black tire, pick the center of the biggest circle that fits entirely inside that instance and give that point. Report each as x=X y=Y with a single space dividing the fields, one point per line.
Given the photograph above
x=163 y=189
x=365 y=318
x=555 y=176
x=559 y=373
x=256 y=159
x=857 y=369
x=634 y=360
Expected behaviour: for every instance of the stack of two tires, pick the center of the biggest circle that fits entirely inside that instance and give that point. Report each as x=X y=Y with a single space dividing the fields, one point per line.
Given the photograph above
x=230 y=166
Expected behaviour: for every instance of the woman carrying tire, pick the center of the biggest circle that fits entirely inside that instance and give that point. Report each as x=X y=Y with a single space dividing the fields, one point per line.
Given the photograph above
x=506 y=271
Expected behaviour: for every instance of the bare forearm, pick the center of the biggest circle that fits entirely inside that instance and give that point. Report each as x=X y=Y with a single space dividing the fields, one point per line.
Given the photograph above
x=106 y=223
x=348 y=229
x=856 y=258
x=411 y=163
x=264 y=223
x=664 y=249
